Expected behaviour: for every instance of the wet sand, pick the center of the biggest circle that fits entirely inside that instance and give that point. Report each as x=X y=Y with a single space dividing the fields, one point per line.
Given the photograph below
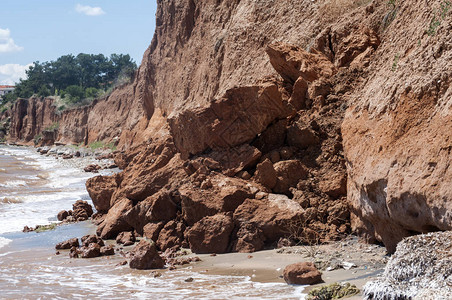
x=268 y=265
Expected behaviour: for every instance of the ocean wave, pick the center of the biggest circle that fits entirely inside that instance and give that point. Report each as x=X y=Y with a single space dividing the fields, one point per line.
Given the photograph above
x=10 y=200
x=13 y=183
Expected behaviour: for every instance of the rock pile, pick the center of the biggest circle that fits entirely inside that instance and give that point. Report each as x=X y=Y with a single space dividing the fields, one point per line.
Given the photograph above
x=240 y=184
x=91 y=246
x=81 y=211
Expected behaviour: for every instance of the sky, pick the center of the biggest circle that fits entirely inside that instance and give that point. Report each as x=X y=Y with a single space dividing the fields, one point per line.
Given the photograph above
x=44 y=30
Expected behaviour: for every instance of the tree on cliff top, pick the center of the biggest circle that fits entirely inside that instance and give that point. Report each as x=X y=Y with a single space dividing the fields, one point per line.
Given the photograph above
x=81 y=76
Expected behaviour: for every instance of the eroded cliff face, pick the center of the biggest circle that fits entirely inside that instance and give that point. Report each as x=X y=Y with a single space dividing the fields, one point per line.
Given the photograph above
x=275 y=120
x=397 y=131
x=248 y=127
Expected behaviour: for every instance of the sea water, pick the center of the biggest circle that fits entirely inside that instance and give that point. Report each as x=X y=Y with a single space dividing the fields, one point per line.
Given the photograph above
x=33 y=188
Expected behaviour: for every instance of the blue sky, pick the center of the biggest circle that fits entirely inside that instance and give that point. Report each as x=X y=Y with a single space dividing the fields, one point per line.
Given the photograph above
x=44 y=30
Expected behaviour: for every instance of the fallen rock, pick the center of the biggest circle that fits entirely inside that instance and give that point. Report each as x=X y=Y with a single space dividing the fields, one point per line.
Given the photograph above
x=265 y=174
x=107 y=250
x=250 y=238
x=301 y=136
x=62 y=215
x=81 y=210
x=115 y=222
x=155 y=208
x=172 y=235
x=152 y=230
x=92 y=168
x=292 y=62
x=91 y=251
x=74 y=252
x=211 y=234
x=421 y=268
x=289 y=173
x=225 y=195
x=100 y=189
x=68 y=244
x=144 y=256
x=302 y=273
x=90 y=239
x=272 y=216
x=126 y=238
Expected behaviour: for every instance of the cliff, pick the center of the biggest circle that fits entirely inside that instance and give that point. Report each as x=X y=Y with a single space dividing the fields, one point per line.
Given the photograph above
x=289 y=121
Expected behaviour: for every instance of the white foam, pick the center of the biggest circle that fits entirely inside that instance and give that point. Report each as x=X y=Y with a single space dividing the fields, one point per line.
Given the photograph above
x=4 y=242
x=13 y=183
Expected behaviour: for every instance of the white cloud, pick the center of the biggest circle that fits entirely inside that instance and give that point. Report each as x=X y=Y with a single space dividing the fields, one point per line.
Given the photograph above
x=89 y=10
x=7 y=43
x=11 y=73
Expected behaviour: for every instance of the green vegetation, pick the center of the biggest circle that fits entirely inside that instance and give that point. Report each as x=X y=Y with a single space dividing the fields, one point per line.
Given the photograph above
x=391 y=15
x=102 y=145
x=37 y=139
x=42 y=228
x=395 y=62
x=445 y=7
x=333 y=291
x=74 y=79
x=54 y=126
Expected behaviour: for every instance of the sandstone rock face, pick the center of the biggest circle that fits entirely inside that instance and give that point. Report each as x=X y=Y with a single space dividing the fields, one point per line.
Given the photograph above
x=263 y=90
x=30 y=117
x=397 y=136
x=144 y=256
x=302 y=273
x=211 y=234
x=292 y=63
x=419 y=269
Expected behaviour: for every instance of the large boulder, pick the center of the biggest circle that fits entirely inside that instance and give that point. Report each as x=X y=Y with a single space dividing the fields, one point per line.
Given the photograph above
x=90 y=251
x=115 y=222
x=126 y=238
x=292 y=62
x=302 y=273
x=232 y=120
x=265 y=174
x=100 y=189
x=155 y=208
x=288 y=173
x=81 y=210
x=211 y=234
x=152 y=230
x=273 y=215
x=250 y=238
x=144 y=256
x=225 y=195
x=421 y=268
x=172 y=235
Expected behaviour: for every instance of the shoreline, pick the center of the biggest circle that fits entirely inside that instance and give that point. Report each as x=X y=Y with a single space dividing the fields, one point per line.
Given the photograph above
x=261 y=267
